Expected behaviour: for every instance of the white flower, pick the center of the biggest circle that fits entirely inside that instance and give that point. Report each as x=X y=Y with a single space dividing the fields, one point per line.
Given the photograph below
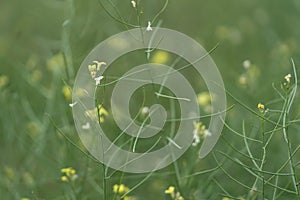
x=199 y=132
x=145 y=110
x=86 y=126
x=72 y=104
x=246 y=64
x=196 y=139
x=288 y=78
x=98 y=79
x=133 y=4
x=207 y=133
x=149 y=28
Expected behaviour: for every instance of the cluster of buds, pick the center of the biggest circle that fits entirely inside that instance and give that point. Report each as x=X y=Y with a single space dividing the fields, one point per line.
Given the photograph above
x=262 y=108
x=199 y=132
x=171 y=191
x=287 y=82
x=69 y=174
x=94 y=69
x=120 y=191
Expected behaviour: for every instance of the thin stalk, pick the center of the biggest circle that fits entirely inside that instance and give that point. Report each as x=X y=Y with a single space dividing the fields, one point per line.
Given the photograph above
x=290 y=154
x=290 y=99
x=263 y=156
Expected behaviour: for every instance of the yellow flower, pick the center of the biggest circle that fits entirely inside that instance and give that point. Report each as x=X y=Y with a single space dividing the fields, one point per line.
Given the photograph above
x=115 y=188
x=243 y=80
x=175 y=196
x=120 y=189
x=33 y=129
x=261 y=106
x=93 y=115
x=68 y=174
x=102 y=110
x=72 y=172
x=56 y=62
x=129 y=198
x=64 y=179
x=161 y=57
x=92 y=67
x=28 y=179
x=67 y=93
x=203 y=98
x=225 y=198
x=178 y=196
x=123 y=189
x=68 y=171
x=170 y=191
x=3 y=81
x=25 y=198
x=102 y=113
x=96 y=66
x=9 y=172
x=99 y=64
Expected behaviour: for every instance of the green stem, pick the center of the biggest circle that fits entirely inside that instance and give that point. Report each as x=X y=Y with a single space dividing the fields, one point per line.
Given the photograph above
x=104 y=183
x=138 y=16
x=73 y=189
x=263 y=156
x=290 y=154
x=98 y=106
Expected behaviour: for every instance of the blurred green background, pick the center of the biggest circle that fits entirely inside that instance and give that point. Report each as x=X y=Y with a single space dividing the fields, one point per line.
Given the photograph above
x=42 y=44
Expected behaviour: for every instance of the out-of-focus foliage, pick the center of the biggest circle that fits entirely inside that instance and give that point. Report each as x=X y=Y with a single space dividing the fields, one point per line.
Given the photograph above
x=42 y=44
